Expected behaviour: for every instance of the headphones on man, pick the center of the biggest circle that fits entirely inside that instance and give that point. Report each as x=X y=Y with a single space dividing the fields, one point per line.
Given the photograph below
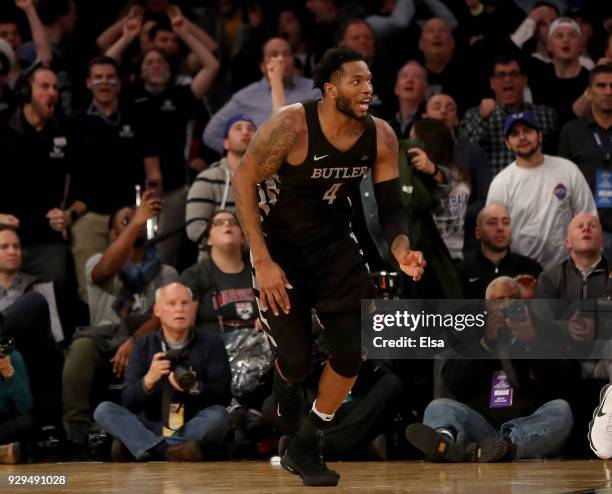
x=23 y=86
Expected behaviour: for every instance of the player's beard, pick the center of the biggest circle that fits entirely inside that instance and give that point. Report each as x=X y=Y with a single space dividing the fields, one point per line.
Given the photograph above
x=343 y=105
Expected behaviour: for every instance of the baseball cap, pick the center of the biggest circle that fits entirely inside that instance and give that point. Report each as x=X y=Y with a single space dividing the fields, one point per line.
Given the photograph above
x=239 y=117
x=564 y=22
x=526 y=117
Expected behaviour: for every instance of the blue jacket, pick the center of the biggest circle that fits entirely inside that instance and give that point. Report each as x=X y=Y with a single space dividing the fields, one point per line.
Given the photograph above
x=208 y=358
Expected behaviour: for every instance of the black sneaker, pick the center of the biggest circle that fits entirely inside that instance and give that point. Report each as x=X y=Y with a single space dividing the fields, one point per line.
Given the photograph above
x=438 y=447
x=308 y=464
x=288 y=404
x=283 y=444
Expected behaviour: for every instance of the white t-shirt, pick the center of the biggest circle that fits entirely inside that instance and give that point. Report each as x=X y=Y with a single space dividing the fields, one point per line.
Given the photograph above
x=101 y=299
x=450 y=219
x=542 y=201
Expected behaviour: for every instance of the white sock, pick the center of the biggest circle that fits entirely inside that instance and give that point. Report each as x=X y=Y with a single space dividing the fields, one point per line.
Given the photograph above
x=446 y=433
x=323 y=416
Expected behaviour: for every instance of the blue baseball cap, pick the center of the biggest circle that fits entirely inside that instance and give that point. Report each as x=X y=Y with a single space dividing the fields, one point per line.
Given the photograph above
x=525 y=117
x=239 y=117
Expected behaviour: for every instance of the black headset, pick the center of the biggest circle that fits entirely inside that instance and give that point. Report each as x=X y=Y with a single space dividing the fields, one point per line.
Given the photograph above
x=23 y=86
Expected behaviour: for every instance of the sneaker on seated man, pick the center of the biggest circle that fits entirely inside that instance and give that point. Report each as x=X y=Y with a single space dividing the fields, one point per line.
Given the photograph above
x=506 y=406
x=600 y=437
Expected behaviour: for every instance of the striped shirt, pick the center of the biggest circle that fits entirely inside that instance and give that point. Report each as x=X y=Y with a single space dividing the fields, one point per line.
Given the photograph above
x=210 y=192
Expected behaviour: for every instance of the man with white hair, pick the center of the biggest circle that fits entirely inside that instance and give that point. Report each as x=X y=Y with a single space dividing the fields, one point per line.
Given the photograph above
x=168 y=412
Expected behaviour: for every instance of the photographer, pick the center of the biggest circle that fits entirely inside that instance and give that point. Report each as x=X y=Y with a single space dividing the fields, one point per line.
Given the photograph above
x=160 y=418
x=505 y=408
x=15 y=404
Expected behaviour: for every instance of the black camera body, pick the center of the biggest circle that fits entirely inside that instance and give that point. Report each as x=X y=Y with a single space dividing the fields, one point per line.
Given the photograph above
x=516 y=311
x=7 y=345
x=180 y=365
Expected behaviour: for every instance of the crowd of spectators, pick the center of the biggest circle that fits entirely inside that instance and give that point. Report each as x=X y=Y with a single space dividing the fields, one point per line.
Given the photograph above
x=121 y=125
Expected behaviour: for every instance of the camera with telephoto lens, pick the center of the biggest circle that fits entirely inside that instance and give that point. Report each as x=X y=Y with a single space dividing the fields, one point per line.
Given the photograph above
x=183 y=372
x=516 y=311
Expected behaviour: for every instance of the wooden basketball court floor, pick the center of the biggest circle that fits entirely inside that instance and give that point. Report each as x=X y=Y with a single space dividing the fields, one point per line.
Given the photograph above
x=541 y=477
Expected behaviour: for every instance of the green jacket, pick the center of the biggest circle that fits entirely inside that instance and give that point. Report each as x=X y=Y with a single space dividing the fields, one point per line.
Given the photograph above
x=15 y=396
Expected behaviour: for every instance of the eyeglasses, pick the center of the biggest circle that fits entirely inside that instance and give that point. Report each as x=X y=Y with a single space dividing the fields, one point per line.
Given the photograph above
x=225 y=221
x=513 y=74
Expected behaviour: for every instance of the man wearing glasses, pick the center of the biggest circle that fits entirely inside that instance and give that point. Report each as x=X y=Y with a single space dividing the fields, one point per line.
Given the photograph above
x=484 y=125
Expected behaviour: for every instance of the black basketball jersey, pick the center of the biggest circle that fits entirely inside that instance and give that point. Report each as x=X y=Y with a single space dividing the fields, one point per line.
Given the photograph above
x=312 y=200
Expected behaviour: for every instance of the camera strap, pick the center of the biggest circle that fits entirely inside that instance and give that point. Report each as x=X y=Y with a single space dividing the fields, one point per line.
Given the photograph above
x=506 y=363
x=172 y=406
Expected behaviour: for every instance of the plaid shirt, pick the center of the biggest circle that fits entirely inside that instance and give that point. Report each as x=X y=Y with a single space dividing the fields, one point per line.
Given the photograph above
x=489 y=132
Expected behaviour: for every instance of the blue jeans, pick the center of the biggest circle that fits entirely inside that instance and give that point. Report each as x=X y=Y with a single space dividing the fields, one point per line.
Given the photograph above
x=208 y=427
x=539 y=435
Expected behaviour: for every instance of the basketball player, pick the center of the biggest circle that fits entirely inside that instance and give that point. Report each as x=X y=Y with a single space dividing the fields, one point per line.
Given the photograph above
x=291 y=194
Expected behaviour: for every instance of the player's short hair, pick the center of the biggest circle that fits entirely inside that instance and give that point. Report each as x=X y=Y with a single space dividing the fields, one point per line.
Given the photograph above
x=331 y=64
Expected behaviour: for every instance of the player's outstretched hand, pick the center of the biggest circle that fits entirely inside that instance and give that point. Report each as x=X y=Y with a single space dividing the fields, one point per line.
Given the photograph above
x=272 y=285
x=412 y=263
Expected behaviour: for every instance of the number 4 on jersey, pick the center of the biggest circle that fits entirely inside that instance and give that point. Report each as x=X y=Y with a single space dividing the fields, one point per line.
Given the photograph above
x=330 y=194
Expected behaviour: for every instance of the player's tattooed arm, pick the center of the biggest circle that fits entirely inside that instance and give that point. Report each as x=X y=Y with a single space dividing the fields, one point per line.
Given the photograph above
x=271 y=144
x=385 y=167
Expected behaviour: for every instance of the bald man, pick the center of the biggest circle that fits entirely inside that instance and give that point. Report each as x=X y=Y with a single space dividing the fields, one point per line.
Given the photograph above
x=585 y=273
x=494 y=259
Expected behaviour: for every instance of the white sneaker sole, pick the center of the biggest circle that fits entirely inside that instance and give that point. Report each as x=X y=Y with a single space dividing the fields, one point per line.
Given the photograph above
x=602 y=398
